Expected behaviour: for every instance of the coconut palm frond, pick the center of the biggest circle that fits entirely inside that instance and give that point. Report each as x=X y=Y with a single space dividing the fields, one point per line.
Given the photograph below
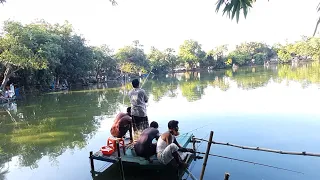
x=114 y=2
x=233 y=7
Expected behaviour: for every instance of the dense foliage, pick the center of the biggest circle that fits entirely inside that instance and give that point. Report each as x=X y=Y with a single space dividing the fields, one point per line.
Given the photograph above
x=47 y=55
x=252 y=52
x=305 y=49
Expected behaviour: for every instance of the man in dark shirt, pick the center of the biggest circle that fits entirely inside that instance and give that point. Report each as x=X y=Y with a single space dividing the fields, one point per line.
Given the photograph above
x=144 y=146
x=122 y=124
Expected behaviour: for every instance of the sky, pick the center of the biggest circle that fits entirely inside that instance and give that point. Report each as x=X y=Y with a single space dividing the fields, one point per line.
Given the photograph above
x=167 y=23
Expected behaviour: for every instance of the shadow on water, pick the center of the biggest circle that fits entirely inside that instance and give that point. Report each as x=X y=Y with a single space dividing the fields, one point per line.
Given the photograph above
x=51 y=124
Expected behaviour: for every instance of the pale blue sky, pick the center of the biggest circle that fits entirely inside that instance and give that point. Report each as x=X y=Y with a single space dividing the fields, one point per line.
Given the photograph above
x=167 y=23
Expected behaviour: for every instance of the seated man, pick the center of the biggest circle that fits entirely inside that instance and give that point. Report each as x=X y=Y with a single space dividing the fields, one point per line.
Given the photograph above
x=168 y=147
x=122 y=124
x=144 y=146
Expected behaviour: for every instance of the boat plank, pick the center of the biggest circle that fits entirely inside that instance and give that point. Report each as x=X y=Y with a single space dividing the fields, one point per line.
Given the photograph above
x=131 y=157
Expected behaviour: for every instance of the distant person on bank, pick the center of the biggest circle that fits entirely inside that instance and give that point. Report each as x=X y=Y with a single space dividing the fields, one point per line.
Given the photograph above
x=122 y=124
x=138 y=99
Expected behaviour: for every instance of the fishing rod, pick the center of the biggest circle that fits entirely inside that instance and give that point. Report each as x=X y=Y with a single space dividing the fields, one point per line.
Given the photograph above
x=147 y=77
x=124 y=88
x=251 y=162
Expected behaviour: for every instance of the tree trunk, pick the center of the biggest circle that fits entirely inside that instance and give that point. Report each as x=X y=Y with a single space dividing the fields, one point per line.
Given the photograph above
x=6 y=77
x=57 y=82
x=98 y=73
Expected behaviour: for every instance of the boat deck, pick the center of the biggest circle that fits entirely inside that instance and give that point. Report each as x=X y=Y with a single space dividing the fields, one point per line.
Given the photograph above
x=130 y=157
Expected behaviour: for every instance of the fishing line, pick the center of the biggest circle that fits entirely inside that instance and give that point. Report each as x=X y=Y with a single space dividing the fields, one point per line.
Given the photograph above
x=251 y=162
x=197 y=128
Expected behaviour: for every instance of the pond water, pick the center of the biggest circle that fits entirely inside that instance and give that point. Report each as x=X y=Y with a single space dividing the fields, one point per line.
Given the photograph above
x=277 y=107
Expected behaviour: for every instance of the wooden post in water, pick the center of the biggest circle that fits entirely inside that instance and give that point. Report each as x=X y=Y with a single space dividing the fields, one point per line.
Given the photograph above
x=226 y=176
x=91 y=164
x=193 y=143
x=120 y=162
x=206 y=156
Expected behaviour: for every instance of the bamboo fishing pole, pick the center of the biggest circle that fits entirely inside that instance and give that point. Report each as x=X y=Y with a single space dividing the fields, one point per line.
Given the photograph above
x=304 y=153
x=251 y=162
x=146 y=77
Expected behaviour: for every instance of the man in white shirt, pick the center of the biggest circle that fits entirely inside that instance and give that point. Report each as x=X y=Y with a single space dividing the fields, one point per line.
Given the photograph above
x=138 y=99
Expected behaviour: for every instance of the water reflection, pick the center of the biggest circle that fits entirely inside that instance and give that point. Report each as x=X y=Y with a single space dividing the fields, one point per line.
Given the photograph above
x=192 y=85
x=48 y=125
x=305 y=74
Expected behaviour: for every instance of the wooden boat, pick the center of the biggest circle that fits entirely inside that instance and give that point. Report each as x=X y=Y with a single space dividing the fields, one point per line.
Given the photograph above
x=135 y=167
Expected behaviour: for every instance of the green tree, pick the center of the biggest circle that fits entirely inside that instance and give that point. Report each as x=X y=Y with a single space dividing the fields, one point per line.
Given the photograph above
x=215 y=57
x=52 y=49
x=132 y=59
x=311 y=48
x=157 y=61
x=190 y=52
x=239 y=57
x=305 y=49
x=76 y=61
x=171 y=58
x=245 y=52
x=220 y=51
x=103 y=62
x=19 y=51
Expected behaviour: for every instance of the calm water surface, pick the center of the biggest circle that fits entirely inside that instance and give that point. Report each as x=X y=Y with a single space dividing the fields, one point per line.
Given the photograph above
x=50 y=136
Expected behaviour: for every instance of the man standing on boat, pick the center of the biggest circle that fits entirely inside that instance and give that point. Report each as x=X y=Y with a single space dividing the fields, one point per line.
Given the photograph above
x=144 y=146
x=122 y=124
x=138 y=99
x=168 y=147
